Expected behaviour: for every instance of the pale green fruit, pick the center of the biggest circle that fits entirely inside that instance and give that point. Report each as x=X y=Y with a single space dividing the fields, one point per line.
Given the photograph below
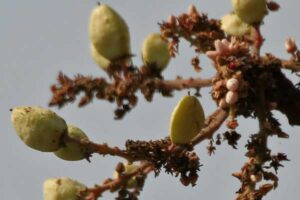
x=62 y=189
x=233 y=25
x=72 y=151
x=109 y=33
x=39 y=128
x=187 y=120
x=99 y=59
x=129 y=168
x=155 y=51
x=250 y=11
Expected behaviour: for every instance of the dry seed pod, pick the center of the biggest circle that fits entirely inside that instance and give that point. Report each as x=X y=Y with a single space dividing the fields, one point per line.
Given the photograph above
x=62 y=189
x=250 y=11
x=233 y=25
x=39 y=128
x=129 y=168
x=72 y=151
x=109 y=33
x=187 y=120
x=155 y=51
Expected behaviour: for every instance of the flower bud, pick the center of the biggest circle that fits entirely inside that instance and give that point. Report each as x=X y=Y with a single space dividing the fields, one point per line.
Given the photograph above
x=172 y=20
x=72 y=151
x=155 y=51
x=192 y=10
x=233 y=25
x=232 y=84
x=212 y=54
x=256 y=177
x=129 y=168
x=109 y=33
x=250 y=11
x=231 y=97
x=187 y=120
x=39 y=128
x=290 y=45
x=273 y=6
x=62 y=189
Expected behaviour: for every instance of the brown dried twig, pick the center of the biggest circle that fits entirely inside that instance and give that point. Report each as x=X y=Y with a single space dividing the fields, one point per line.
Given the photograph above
x=291 y=65
x=122 y=91
x=195 y=28
x=118 y=183
x=213 y=123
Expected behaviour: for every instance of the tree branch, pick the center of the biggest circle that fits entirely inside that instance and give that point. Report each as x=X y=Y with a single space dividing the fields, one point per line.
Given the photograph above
x=213 y=123
x=290 y=65
x=118 y=183
x=180 y=84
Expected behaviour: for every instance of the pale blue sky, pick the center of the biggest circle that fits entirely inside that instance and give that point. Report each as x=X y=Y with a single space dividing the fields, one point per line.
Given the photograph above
x=40 y=38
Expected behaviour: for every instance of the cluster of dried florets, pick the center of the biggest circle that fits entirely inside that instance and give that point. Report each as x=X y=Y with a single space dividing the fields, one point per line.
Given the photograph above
x=246 y=84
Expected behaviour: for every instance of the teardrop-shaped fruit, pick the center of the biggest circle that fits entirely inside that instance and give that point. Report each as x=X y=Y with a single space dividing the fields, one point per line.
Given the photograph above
x=129 y=168
x=250 y=11
x=187 y=120
x=62 y=189
x=72 y=151
x=99 y=59
x=155 y=51
x=39 y=128
x=109 y=33
x=233 y=25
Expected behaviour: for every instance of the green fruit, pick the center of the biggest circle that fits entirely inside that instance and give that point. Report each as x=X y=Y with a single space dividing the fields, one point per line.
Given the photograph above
x=73 y=151
x=109 y=33
x=39 y=128
x=250 y=11
x=155 y=51
x=62 y=189
x=99 y=59
x=129 y=168
x=233 y=25
x=187 y=120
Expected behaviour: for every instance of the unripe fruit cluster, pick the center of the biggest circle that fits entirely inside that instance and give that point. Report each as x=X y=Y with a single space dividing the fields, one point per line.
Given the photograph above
x=39 y=128
x=234 y=26
x=155 y=51
x=250 y=11
x=245 y=13
x=71 y=151
x=62 y=189
x=43 y=130
x=187 y=120
x=109 y=36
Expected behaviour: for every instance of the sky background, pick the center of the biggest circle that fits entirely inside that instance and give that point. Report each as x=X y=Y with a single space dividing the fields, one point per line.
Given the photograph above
x=40 y=38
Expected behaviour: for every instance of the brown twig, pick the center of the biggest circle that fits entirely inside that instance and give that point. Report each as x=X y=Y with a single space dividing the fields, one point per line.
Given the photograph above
x=195 y=28
x=102 y=149
x=118 y=183
x=180 y=83
x=213 y=123
x=290 y=65
x=122 y=91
